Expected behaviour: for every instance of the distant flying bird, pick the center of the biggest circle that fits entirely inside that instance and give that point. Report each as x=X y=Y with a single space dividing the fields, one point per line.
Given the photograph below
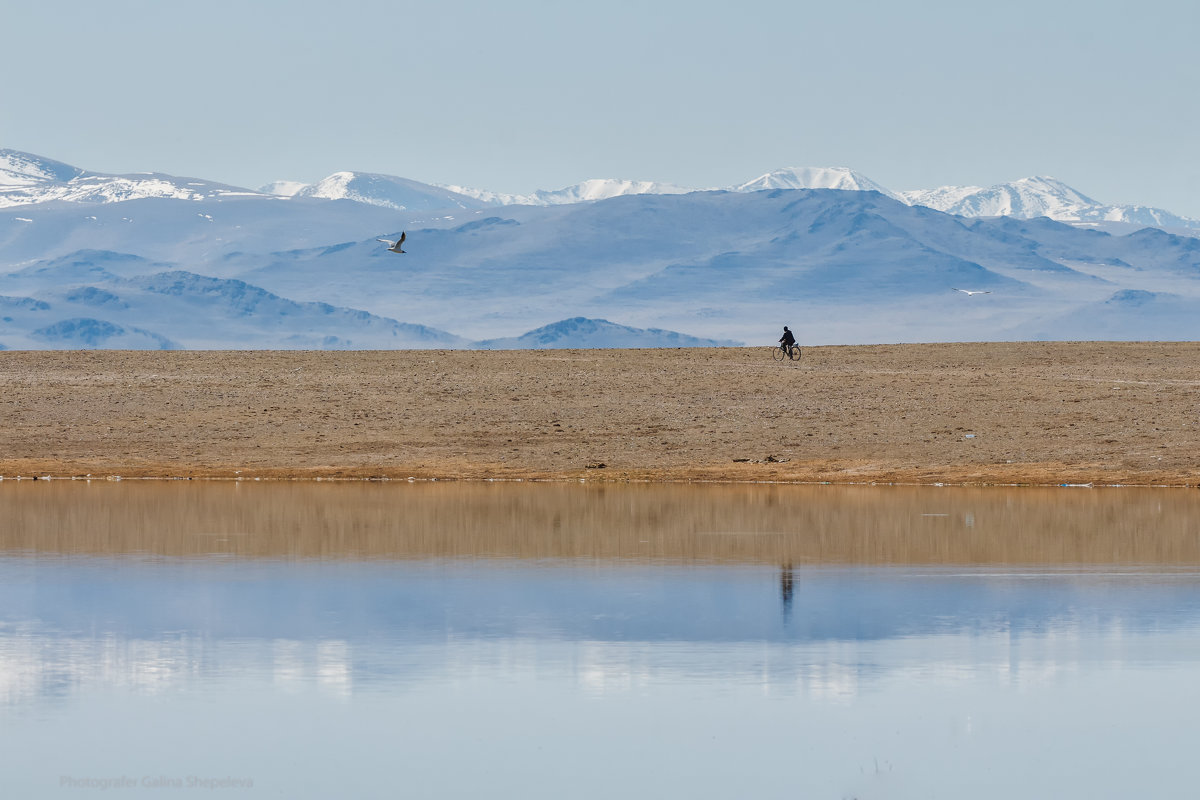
x=394 y=246
x=967 y=292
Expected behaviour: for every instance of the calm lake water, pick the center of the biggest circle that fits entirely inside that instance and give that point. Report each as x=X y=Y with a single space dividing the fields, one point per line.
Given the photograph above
x=550 y=641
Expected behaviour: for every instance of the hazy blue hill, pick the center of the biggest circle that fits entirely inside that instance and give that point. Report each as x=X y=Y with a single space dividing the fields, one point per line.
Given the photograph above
x=1130 y=314
x=839 y=266
x=91 y=296
x=23 y=304
x=82 y=266
x=582 y=332
x=88 y=333
x=1151 y=248
x=183 y=309
x=256 y=312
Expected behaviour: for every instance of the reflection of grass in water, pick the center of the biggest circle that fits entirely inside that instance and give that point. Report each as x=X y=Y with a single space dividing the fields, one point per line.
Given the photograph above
x=747 y=533
x=758 y=524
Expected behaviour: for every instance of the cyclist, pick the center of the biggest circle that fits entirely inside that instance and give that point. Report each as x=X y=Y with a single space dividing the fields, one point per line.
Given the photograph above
x=787 y=341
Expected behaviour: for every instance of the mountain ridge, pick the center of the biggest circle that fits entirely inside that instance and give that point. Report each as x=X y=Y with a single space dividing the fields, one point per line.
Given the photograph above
x=27 y=179
x=838 y=266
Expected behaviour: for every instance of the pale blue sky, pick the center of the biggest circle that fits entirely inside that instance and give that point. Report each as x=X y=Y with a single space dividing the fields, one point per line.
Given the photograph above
x=526 y=94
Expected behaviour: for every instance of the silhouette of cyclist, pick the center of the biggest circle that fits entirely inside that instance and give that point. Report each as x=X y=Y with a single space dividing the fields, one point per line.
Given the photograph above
x=787 y=341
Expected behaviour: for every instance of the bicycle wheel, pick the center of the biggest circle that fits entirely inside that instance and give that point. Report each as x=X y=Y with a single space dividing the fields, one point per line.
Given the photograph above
x=795 y=354
x=778 y=354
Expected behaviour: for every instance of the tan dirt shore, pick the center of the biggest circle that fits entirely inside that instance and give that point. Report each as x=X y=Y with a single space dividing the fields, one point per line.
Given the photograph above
x=1024 y=413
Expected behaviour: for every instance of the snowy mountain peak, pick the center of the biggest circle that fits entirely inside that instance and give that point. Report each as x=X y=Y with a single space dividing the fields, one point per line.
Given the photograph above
x=1040 y=196
x=25 y=169
x=387 y=191
x=1046 y=186
x=26 y=178
x=842 y=178
x=345 y=186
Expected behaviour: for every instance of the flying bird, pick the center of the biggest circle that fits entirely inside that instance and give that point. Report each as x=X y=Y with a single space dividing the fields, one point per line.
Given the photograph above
x=394 y=246
x=967 y=292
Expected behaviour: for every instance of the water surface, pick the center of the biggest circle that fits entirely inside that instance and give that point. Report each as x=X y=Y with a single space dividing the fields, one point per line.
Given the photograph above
x=385 y=640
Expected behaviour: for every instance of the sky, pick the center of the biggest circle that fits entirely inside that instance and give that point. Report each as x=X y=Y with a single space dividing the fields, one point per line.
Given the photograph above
x=521 y=95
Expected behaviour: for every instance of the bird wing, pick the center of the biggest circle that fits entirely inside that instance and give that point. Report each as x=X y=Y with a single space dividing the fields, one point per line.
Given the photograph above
x=388 y=242
x=403 y=236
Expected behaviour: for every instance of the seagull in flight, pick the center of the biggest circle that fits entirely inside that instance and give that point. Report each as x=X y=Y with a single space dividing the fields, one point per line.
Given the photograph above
x=394 y=246
x=967 y=292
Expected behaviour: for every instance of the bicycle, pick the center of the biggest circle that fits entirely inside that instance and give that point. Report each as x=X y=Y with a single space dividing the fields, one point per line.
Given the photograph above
x=783 y=352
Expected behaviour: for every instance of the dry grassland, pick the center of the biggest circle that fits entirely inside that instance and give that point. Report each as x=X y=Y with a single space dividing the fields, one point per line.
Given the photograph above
x=1030 y=413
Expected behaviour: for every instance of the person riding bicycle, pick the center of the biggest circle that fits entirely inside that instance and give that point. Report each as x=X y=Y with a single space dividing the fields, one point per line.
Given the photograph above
x=787 y=341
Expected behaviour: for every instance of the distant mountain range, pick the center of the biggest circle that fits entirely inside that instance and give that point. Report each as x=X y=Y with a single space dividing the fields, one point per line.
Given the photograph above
x=194 y=264
x=1025 y=199
x=26 y=178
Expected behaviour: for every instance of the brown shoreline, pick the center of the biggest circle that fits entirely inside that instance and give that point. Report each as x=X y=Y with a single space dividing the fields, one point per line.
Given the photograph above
x=977 y=413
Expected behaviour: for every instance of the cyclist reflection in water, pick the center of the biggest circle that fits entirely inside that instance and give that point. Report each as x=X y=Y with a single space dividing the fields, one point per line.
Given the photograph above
x=787 y=340
x=787 y=587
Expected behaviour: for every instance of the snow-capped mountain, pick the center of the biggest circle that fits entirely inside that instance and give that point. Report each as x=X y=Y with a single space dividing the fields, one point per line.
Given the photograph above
x=1025 y=199
x=26 y=169
x=403 y=194
x=814 y=178
x=373 y=189
x=583 y=192
x=1040 y=197
x=587 y=191
x=605 y=188
x=27 y=179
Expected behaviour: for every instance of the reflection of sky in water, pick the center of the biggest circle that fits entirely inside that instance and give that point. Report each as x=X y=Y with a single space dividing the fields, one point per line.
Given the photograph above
x=560 y=678
x=153 y=625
